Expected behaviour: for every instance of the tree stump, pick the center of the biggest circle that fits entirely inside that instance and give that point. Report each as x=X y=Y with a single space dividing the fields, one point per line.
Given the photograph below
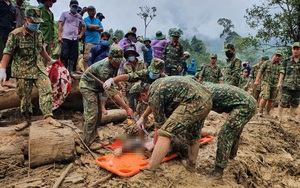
x=49 y=144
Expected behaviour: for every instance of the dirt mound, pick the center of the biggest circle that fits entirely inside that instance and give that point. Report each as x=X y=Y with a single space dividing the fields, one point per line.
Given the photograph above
x=268 y=156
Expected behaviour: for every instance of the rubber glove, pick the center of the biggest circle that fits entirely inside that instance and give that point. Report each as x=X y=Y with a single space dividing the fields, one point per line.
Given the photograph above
x=108 y=83
x=2 y=75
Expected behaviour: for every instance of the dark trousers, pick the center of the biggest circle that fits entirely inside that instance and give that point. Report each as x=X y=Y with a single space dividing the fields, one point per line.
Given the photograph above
x=2 y=46
x=69 y=54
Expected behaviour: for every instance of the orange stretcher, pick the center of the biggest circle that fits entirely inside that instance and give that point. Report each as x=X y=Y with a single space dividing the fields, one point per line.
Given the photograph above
x=129 y=164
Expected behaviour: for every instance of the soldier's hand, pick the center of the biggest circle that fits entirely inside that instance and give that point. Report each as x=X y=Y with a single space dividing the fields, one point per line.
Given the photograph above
x=108 y=83
x=256 y=83
x=179 y=68
x=140 y=123
x=279 y=86
x=2 y=76
x=129 y=112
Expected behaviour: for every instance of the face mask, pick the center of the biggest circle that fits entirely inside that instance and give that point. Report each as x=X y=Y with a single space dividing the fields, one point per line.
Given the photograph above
x=105 y=43
x=229 y=54
x=131 y=58
x=153 y=76
x=33 y=27
x=73 y=9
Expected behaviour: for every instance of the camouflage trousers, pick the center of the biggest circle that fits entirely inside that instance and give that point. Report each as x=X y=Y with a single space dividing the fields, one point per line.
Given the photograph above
x=289 y=98
x=255 y=93
x=229 y=135
x=43 y=85
x=187 y=118
x=92 y=114
x=268 y=92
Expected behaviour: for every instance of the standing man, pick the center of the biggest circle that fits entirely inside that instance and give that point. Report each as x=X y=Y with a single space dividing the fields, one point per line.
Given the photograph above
x=158 y=44
x=289 y=82
x=68 y=35
x=254 y=71
x=148 y=56
x=232 y=69
x=25 y=45
x=180 y=105
x=270 y=72
x=20 y=13
x=172 y=55
x=211 y=72
x=186 y=56
x=92 y=33
x=90 y=90
x=47 y=27
x=7 y=24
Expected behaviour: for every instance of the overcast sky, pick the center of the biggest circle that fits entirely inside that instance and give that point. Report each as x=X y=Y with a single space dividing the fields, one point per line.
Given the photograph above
x=194 y=17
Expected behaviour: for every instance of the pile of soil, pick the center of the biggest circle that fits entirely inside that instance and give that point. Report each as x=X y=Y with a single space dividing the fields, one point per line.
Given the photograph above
x=268 y=156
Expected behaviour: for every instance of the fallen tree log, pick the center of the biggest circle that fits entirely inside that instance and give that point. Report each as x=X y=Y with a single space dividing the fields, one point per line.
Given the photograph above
x=114 y=115
x=49 y=144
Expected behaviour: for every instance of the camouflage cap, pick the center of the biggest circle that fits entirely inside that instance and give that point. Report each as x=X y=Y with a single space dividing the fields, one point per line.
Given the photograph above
x=116 y=53
x=156 y=65
x=296 y=44
x=176 y=33
x=265 y=58
x=34 y=14
x=138 y=88
x=228 y=47
x=214 y=56
x=278 y=52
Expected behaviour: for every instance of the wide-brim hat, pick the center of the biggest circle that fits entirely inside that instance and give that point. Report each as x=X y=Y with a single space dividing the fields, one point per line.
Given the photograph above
x=160 y=35
x=147 y=39
x=130 y=51
x=130 y=33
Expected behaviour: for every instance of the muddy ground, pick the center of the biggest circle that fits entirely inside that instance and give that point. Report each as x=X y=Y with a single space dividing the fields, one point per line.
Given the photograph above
x=268 y=156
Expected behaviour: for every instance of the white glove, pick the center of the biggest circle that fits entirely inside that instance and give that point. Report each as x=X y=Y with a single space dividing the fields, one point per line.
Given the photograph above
x=108 y=83
x=139 y=123
x=2 y=75
x=52 y=61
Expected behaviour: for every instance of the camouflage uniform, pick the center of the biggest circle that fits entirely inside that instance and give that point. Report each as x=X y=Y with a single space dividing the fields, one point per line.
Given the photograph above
x=253 y=73
x=243 y=81
x=241 y=107
x=129 y=68
x=179 y=104
x=90 y=89
x=270 y=72
x=172 y=55
x=27 y=69
x=290 y=95
x=232 y=72
x=210 y=74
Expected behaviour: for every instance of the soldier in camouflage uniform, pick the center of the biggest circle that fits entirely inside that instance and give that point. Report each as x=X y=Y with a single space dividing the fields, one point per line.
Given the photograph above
x=25 y=46
x=211 y=72
x=154 y=71
x=254 y=71
x=243 y=83
x=241 y=107
x=232 y=68
x=180 y=105
x=289 y=81
x=172 y=54
x=90 y=89
x=132 y=65
x=270 y=72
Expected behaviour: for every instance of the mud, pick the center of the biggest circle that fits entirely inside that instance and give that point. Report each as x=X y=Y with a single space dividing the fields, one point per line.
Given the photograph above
x=268 y=156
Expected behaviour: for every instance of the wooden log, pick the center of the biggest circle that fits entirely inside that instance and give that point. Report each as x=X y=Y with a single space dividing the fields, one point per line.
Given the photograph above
x=114 y=115
x=49 y=144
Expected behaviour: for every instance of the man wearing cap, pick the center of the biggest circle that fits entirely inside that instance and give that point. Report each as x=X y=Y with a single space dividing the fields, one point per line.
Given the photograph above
x=92 y=33
x=289 y=83
x=127 y=43
x=172 y=55
x=158 y=44
x=186 y=56
x=47 y=27
x=180 y=105
x=68 y=35
x=253 y=73
x=270 y=72
x=232 y=69
x=148 y=56
x=25 y=45
x=211 y=72
x=90 y=89
x=132 y=65
x=100 y=16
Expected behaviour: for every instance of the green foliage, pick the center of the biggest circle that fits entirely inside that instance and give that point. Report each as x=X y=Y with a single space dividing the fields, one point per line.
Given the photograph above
x=147 y=12
x=277 y=20
x=119 y=34
x=227 y=34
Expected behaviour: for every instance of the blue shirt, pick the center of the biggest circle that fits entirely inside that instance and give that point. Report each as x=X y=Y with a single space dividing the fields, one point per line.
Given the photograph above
x=92 y=36
x=98 y=53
